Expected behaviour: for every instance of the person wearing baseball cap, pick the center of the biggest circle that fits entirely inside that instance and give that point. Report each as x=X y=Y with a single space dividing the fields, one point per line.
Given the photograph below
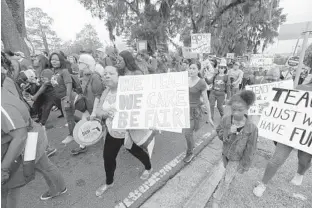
x=236 y=77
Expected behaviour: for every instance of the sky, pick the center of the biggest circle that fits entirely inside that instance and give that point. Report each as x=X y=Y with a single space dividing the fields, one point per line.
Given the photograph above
x=70 y=16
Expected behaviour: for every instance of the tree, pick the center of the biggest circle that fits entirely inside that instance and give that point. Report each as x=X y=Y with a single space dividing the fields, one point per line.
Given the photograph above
x=13 y=30
x=308 y=57
x=138 y=19
x=237 y=26
x=39 y=30
x=86 y=40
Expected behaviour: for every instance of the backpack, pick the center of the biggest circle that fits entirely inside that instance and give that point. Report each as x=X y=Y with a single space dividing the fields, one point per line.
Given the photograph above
x=76 y=84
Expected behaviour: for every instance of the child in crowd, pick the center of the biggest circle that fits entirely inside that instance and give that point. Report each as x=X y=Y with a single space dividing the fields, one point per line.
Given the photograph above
x=239 y=136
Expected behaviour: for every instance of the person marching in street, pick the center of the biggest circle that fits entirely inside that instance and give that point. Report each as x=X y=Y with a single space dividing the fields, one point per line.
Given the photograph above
x=16 y=123
x=62 y=82
x=239 y=136
x=115 y=138
x=92 y=90
x=220 y=88
x=236 y=77
x=280 y=156
x=197 y=89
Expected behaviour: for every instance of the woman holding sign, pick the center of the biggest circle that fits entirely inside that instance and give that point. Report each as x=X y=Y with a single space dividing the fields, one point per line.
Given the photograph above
x=197 y=89
x=280 y=155
x=115 y=138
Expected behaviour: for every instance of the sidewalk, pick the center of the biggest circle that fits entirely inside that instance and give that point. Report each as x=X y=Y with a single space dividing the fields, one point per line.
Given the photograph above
x=194 y=184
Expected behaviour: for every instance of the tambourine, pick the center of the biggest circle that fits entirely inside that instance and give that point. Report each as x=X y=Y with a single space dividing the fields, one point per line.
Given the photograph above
x=88 y=132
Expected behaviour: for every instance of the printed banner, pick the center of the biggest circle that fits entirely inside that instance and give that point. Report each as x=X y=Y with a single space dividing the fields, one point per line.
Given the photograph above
x=288 y=118
x=261 y=60
x=201 y=42
x=262 y=92
x=187 y=53
x=160 y=101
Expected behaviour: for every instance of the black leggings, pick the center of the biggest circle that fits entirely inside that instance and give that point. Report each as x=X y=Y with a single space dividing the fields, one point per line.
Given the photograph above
x=111 y=148
x=43 y=106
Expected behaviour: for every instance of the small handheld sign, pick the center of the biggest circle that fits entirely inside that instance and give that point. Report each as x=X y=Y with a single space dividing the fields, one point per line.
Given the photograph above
x=88 y=132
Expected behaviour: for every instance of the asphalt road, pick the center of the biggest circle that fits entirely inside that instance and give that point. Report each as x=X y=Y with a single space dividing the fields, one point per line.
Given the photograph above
x=85 y=173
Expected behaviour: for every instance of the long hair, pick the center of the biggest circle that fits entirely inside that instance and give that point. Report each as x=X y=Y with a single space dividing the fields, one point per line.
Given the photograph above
x=129 y=61
x=61 y=58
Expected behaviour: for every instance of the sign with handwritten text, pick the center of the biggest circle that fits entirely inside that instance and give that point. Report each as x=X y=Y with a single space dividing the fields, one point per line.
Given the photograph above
x=160 y=101
x=201 y=42
x=288 y=118
x=261 y=60
x=262 y=92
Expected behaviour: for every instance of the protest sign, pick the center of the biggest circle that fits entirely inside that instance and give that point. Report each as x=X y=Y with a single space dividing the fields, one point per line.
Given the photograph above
x=187 y=53
x=230 y=55
x=261 y=60
x=293 y=61
x=141 y=45
x=288 y=118
x=262 y=92
x=160 y=101
x=201 y=42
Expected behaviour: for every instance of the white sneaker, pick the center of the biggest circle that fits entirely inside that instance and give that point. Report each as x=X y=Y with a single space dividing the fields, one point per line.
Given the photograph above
x=102 y=189
x=68 y=139
x=66 y=125
x=146 y=174
x=259 y=190
x=297 y=180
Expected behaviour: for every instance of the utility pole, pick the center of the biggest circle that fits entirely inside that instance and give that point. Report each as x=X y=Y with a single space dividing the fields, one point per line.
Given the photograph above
x=303 y=49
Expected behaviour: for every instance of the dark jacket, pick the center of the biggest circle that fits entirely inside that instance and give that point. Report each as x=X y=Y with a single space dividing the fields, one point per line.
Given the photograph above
x=238 y=147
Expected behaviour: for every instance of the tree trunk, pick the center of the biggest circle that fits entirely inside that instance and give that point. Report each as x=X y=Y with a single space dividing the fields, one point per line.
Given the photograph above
x=44 y=40
x=10 y=35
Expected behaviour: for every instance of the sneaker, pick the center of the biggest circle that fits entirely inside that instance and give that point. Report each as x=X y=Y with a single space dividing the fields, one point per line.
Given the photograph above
x=79 y=150
x=51 y=151
x=68 y=139
x=66 y=124
x=102 y=189
x=188 y=157
x=259 y=190
x=47 y=195
x=297 y=180
x=146 y=173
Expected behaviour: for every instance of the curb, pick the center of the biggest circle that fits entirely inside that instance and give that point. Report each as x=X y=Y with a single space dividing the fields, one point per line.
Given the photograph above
x=205 y=142
x=202 y=194
x=203 y=189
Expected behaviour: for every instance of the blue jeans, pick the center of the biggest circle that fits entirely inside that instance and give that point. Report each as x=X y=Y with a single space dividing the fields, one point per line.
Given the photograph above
x=281 y=153
x=219 y=97
x=51 y=174
x=69 y=113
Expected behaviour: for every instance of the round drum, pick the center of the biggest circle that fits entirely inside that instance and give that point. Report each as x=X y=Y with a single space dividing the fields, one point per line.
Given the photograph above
x=88 y=132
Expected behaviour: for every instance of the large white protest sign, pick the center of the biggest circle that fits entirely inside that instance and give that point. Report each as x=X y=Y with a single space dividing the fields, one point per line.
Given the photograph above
x=201 y=42
x=262 y=92
x=261 y=60
x=160 y=101
x=288 y=118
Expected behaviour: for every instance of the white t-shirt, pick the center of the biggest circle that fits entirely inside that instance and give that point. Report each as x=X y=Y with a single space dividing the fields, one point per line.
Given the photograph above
x=109 y=104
